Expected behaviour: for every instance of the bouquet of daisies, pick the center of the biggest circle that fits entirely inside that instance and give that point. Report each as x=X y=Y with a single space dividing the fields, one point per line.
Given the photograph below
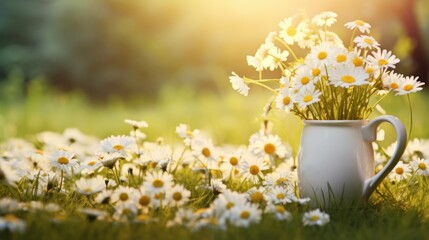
x=332 y=81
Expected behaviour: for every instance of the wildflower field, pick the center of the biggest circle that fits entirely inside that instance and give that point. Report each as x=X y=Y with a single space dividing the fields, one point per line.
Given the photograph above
x=131 y=181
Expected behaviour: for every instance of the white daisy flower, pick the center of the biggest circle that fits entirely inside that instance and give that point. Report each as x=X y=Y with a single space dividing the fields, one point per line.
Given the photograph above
x=365 y=41
x=238 y=84
x=346 y=76
x=409 y=85
x=178 y=195
x=284 y=100
x=307 y=96
x=402 y=171
x=420 y=166
x=278 y=178
x=244 y=214
x=117 y=144
x=90 y=165
x=280 y=195
x=279 y=211
x=63 y=160
x=269 y=146
x=252 y=168
x=303 y=77
x=90 y=186
x=104 y=197
x=123 y=194
x=359 y=24
x=256 y=195
x=325 y=19
x=143 y=197
x=383 y=59
x=136 y=124
x=315 y=217
x=8 y=174
x=12 y=223
x=392 y=80
x=263 y=58
x=330 y=37
x=158 y=182
x=217 y=186
x=290 y=32
x=322 y=53
x=129 y=170
x=204 y=150
x=225 y=202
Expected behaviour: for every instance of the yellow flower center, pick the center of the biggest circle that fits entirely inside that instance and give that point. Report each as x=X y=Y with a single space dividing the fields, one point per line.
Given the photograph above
x=357 y=61
x=286 y=100
x=144 y=200
x=269 y=148
x=118 y=147
x=369 y=41
x=10 y=218
x=394 y=85
x=348 y=79
x=280 y=196
x=408 y=87
x=92 y=163
x=254 y=169
x=245 y=215
x=369 y=70
x=257 y=197
x=123 y=197
x=305 y=80
x=399 y=170
x=422 y=166
x=281 y=181
x=315 y=218
x=383 y=62
x=280 y=209
x=291 y=31
x=177 y=196
x=315 y=72
x=63 y=160
x=322 y=55
x=159 y=196
x=360 y=22
x=229 y=205
x=341 y=58
x=206 y=152
x=233 y=161
x=308 y=98
x=158 y=183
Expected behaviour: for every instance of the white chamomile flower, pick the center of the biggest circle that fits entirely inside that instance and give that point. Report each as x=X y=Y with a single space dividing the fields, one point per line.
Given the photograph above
x=392 y=80
x=284 y=100
x=225 y=202
x=238 y=84
x=263 y=58
x=217 y=186
x=244 y=214
x=402 y=171
x=252 y=168
x=158 y=182
x=307 y=96
x=383 y=59
x=178 y=195
x=315 y=217
x=63 y=160
x=143 y=197
x=123 y=194
x=358 y=24
x=269 y=145
x=278 y=178
x=303 y=77
x=325 y=19
x=136 y=124
x=365 y=41
x=420 y=166
x=322 y=53
x=204 y=150
x=290 y=30
x=89 y=186
x=409 y=85
x=346 y=76
x=117 y=144
x=104 y=197
x=279 y=211
x=12 y=223
x=280 y=195
x=256 y=195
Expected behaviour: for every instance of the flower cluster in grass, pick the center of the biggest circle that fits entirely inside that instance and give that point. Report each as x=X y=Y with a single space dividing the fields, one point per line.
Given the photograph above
x=129 y=179
x=194 y=184
x=333 y=80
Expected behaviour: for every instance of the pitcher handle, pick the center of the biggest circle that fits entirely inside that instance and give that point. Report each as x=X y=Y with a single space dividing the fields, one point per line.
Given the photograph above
x=369 y=133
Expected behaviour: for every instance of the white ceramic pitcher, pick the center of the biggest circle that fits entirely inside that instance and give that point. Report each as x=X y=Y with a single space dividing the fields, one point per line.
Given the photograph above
x=336 y=160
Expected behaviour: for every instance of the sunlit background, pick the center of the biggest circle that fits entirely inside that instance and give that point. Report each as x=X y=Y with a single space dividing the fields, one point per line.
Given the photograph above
x=90 y=63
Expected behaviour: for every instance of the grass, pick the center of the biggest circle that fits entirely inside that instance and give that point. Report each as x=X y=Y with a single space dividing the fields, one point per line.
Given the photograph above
x=398 y=211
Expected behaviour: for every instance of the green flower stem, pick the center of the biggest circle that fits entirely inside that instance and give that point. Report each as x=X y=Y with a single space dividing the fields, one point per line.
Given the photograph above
x=287 y=47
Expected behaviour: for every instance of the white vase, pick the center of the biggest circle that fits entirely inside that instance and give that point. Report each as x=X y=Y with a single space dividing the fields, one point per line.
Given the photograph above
x=336 y=160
